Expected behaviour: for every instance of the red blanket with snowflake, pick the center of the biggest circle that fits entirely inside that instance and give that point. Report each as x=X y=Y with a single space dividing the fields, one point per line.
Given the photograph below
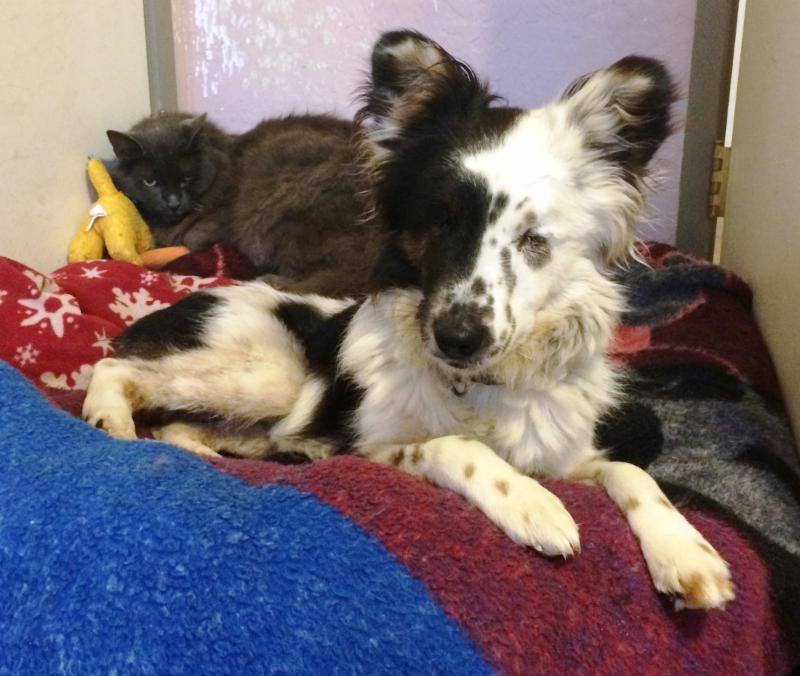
x=54 y=327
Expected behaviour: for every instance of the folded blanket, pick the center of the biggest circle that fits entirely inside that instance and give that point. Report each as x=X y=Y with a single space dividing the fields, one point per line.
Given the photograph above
x=133 y=556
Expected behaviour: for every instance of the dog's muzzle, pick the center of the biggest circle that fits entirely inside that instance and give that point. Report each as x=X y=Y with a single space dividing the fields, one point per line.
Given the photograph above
x=461 y=337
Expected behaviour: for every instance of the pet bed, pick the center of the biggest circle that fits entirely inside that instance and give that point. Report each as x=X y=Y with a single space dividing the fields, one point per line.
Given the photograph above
x=136 y=557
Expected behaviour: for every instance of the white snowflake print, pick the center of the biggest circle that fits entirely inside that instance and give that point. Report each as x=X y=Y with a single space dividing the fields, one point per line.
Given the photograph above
x=26 y=354
x=42 y=282
x=3 y=294
x=92 y=273
x=148 y=277
x=190 y=282
x=76 y=380
x=103 y=342
x=130 y=307
x=50 y=308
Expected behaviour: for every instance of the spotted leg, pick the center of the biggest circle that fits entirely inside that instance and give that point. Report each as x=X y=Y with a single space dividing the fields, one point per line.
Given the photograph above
x=526 y=511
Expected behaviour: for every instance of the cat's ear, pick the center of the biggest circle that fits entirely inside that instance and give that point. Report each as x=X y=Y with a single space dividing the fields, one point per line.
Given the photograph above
x=624 y=111
x=194 y=126
x=126 y=147
x=415 y=86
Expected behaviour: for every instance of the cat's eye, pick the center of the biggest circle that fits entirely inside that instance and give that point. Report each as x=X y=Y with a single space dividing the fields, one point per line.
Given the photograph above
x=186 y=180
x=535 y=246
x=150 y=182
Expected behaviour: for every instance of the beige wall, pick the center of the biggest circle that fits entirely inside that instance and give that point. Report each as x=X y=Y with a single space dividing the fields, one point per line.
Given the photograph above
x=762 y=224
x=69 y=69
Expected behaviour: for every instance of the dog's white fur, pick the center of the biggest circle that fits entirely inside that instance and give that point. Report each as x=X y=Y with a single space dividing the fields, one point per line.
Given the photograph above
x=529 y=408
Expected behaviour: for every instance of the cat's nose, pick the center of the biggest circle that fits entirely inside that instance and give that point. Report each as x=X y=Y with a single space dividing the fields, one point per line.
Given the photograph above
x=173 y=202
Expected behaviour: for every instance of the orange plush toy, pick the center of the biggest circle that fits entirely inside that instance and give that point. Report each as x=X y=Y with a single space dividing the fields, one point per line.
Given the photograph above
x=115 y=225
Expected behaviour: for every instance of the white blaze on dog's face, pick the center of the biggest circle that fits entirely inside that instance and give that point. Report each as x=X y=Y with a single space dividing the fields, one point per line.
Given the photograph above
x=500 y=214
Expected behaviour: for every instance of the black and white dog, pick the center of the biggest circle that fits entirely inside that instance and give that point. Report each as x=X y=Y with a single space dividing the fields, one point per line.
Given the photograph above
x=482 y=359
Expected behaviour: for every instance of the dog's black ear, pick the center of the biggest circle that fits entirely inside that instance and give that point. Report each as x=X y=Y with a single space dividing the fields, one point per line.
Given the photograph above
x=624 y=110
x=405 y=60
x=126 y=147
x=415 y=89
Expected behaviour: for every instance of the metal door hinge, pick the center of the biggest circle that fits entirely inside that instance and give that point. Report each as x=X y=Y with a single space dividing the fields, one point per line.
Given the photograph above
x=719 y=180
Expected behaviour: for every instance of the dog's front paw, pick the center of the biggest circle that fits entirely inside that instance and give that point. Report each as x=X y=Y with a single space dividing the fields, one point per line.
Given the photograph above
x=687 y=567
x=532 y=516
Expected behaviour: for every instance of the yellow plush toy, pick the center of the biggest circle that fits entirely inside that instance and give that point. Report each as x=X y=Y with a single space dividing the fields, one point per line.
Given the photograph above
x=113 y=223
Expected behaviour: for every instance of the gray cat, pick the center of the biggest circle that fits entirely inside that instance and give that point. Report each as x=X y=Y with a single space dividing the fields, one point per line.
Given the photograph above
x=286 y=194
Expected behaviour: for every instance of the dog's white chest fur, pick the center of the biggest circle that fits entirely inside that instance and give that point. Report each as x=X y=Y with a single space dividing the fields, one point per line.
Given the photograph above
x=531 y=430
x=541 y=429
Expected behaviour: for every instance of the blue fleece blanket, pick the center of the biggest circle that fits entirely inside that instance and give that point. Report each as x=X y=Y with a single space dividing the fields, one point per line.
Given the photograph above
x=122 y=557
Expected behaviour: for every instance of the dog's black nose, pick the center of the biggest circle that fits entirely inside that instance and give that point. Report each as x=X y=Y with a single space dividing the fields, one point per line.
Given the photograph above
x=459 y=335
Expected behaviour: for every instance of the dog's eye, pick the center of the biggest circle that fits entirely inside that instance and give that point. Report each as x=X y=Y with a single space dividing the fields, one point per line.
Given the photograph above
x=534 y=246
x=150 y=182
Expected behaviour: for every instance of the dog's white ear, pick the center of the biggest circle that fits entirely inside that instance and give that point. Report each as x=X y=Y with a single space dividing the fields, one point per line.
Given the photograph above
x=624 y=111
x=415 y=87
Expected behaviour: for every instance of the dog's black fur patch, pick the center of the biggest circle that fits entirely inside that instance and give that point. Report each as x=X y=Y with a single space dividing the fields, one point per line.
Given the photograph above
x=171 y=329
x=321 y=338
x=632 y=433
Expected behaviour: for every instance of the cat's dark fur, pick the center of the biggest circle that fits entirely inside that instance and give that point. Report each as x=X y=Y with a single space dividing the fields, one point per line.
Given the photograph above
x=286 y=194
